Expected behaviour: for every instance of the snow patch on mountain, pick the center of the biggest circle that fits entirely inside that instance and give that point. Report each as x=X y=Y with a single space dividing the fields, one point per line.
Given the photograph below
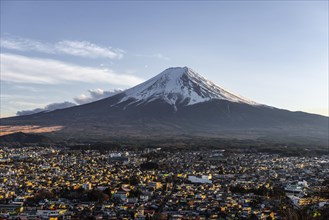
x=180 y=85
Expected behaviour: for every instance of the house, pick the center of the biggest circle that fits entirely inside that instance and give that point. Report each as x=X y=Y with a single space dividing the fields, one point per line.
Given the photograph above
x=10 y=209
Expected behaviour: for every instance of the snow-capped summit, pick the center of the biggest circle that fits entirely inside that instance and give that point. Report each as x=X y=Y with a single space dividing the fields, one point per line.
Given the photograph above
x=180 y=86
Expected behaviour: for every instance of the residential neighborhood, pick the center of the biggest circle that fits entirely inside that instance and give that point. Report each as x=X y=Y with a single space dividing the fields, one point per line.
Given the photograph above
x=61 y=183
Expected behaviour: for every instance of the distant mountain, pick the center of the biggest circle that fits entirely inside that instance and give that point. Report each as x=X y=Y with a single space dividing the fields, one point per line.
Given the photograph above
x=178 y=102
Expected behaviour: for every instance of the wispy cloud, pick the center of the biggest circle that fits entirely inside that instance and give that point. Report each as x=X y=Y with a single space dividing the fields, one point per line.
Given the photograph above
x=160 y=56
x=87 y=49
x=22 y=69
x=23 y=44
x=95 y=94
x=156 y=55
x=74 y=48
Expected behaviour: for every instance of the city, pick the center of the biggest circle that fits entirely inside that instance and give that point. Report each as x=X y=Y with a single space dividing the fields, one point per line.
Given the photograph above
x=155 y=183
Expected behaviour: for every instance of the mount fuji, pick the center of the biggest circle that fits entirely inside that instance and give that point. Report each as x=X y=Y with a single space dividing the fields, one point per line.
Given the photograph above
x=180 y=86
x=174 y=103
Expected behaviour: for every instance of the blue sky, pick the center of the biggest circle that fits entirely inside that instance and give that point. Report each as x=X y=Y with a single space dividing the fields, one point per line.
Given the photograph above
x=273 y=52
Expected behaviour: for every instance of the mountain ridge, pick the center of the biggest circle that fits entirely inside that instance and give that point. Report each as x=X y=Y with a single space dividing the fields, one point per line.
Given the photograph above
x=176 y=102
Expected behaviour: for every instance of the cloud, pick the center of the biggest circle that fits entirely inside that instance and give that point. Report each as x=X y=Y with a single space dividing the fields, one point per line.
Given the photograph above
x=95 y=94
x=160 y=56
x=22 y=69
x=156 y=55
x=23 y=44
x=48 y=108
x=87 y=49
x=74 y=48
